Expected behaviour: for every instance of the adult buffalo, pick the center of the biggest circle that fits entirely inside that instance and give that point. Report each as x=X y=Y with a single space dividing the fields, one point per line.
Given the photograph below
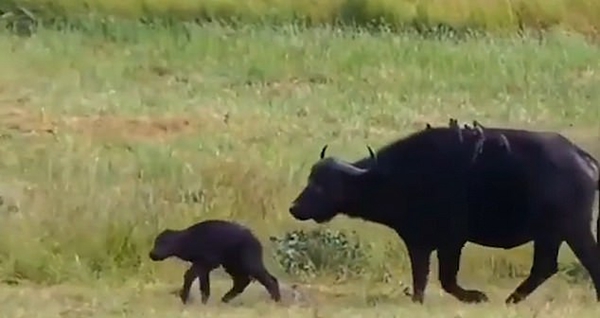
x=427 y=188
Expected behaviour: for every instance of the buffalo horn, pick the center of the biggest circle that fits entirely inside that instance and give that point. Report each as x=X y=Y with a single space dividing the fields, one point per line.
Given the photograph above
x=477 y=124
x=323 y=151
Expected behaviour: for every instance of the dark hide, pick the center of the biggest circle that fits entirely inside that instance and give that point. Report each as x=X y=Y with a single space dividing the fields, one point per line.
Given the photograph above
x=213 y=243
x=523 y=186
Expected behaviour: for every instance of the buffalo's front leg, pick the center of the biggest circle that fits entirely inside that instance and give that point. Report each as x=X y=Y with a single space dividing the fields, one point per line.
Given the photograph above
x=419 y=262
x=449 y=264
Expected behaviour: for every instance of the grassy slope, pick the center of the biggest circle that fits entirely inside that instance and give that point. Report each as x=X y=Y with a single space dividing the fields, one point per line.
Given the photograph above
x=105 y=142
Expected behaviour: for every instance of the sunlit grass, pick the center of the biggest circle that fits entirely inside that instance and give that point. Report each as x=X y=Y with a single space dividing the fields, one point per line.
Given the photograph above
x=108 y=137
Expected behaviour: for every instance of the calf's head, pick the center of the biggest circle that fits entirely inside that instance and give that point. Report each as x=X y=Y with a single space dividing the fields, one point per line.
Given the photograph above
x=165 y=245
x=333 y=187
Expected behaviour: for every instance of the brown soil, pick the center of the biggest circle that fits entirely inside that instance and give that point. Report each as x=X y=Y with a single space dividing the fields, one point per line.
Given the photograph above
x=164 y=128
x=159 y=128
x=141 y=128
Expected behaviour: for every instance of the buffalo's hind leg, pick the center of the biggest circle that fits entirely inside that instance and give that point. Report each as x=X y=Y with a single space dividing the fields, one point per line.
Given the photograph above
x=449 y=264
x=584 y=246
x=545 y=254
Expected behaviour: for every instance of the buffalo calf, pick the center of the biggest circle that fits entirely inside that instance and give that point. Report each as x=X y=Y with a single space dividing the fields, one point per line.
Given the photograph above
x=213 y=243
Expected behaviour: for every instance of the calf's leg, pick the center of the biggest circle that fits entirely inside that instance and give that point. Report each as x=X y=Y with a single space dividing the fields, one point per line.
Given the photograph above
x=202 y=272
x=449 y=264
x=268 y=281
x=252 y=264
x=545 y=254
x=203 y=275
x=240 y=282
x=188 y=278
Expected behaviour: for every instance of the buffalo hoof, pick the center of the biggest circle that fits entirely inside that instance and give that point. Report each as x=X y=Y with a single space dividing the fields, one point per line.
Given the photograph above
x=418 y=298
x=474 y=296
x=183 y=297
x=513 y=299
x=204 y=299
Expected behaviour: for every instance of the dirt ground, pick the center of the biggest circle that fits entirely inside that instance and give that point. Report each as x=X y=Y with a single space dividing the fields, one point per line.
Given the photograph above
x=164 y=128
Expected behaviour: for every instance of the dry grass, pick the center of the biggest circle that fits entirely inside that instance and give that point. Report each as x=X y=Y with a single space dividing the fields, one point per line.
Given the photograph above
x=109 y=136
x=308 y=301
x=491 y=15
x=106 y=127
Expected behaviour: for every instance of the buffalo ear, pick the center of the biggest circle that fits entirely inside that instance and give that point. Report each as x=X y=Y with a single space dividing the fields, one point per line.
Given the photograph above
x=322 y=155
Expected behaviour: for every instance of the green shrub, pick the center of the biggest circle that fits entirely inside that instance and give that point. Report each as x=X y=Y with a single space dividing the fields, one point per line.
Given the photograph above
x=320 y=251
x=575 y=273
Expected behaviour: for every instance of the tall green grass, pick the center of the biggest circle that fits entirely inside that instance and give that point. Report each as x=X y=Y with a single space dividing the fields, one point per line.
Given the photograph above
x=111 y=135
x=489 y=15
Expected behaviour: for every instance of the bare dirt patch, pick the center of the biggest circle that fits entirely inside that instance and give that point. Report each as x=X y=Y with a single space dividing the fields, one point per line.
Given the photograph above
x=25 y=122
x=139 y=128
x=162 y=128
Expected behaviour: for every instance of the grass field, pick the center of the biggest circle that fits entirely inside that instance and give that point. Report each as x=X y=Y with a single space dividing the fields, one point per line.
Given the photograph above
x=498 y=16
x=108 y=137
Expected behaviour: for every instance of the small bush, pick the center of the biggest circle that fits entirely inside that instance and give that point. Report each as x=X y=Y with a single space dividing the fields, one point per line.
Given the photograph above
x=575 y=273
x=320 y=251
